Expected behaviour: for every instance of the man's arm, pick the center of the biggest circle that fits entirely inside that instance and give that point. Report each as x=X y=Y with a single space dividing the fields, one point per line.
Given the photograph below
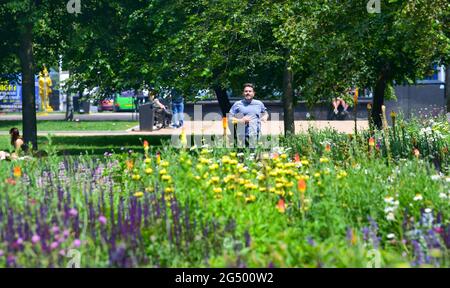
x=264 y=113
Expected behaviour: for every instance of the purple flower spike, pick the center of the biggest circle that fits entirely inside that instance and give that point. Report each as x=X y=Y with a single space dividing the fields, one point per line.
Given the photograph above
x=19 y=241
x=73 y=212
x=35 y=239
x=102 y=219
x=54 y=245
x=76 y=243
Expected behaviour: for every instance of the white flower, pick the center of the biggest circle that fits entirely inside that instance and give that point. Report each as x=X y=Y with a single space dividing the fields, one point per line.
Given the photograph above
x=443 y=195
x=389 y=209
x=435 y=177
x=396 y=203
x=418 y=197
x=447 y=179
x=391 y=236
x=390 y=216
x=427 y=210
x=389 y=199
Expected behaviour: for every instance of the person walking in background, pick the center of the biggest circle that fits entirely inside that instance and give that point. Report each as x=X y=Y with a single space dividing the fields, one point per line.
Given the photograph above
x=177 y=108
x=249 y=113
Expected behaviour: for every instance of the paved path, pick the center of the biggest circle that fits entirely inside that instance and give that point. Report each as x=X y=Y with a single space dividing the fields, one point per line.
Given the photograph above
x=104 y=116
x=215 y=127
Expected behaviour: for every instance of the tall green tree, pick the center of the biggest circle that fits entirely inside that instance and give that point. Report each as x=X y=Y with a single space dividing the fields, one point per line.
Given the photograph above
x=398 y=44
x=32 y=33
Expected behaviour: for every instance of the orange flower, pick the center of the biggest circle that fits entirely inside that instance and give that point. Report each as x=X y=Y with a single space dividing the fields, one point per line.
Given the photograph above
x=158 y=157
x=224 y=123
x=10 y=181
x=146 y=144
x=371 y=142
x=17 y=172
x=301 y=185
x=297 y=158
x=416 y=152
x=281 y=207
x=328 y=148
x=275 y=155
x=130 y=164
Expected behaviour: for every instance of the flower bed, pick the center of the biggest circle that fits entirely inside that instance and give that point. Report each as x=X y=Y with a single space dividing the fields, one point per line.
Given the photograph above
x=323 y=199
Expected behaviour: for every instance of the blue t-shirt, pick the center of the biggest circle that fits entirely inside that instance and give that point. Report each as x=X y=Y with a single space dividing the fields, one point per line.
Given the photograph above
x=254 y=109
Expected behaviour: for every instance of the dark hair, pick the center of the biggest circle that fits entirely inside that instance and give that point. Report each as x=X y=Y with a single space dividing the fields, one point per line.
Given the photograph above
x=14 y=132
x=249 y=85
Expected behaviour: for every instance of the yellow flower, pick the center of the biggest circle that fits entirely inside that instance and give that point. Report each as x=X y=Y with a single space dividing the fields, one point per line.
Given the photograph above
x=261 y=177
x=262 y=189
x=324 y=160
x=197 y=177
x=250 y=198
x=233 y=154
x=283 y=156
x=169 y=190
x=148 y=160
x=228 y=178
x=162 y=172
x=341 y=174
x=305 y=162
x=138 y=194
x=166 y=178
x=164 y=164
x=136 y=177
x=288 y=184
x=217 y=190
x=215 y=180
x=214 y=166
x=148 y=171
x=149 y=189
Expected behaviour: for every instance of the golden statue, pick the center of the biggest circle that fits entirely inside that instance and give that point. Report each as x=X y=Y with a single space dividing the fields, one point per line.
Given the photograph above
x=45 y=83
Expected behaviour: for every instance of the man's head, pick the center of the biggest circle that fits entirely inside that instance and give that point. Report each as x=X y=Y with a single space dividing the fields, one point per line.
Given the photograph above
x=248 y=92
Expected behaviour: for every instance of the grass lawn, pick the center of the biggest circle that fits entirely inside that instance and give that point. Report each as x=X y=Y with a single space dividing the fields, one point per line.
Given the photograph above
x=52 y=125
x=94 y=145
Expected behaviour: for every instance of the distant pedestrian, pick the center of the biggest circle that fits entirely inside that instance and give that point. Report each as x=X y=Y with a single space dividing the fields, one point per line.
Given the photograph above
x=177 y=108
x=249 y=113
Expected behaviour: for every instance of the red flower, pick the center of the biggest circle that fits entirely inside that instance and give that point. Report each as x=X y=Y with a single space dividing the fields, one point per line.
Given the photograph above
x=297 y=158
x=281 y=206
x=301 y=185
x=17 y=172
x=10 y=181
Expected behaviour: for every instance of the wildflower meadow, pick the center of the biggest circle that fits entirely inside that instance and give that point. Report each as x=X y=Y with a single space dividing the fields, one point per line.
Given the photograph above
x=320 y=199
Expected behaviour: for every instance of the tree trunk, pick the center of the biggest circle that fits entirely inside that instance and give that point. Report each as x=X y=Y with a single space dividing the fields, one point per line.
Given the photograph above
x=447 y=87
x=28 y=87
x=378 y=101
x=222 y=98
x=69 y=107
x=288 y=100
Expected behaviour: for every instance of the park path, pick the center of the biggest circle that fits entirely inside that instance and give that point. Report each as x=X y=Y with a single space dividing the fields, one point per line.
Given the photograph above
x=215 y=127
